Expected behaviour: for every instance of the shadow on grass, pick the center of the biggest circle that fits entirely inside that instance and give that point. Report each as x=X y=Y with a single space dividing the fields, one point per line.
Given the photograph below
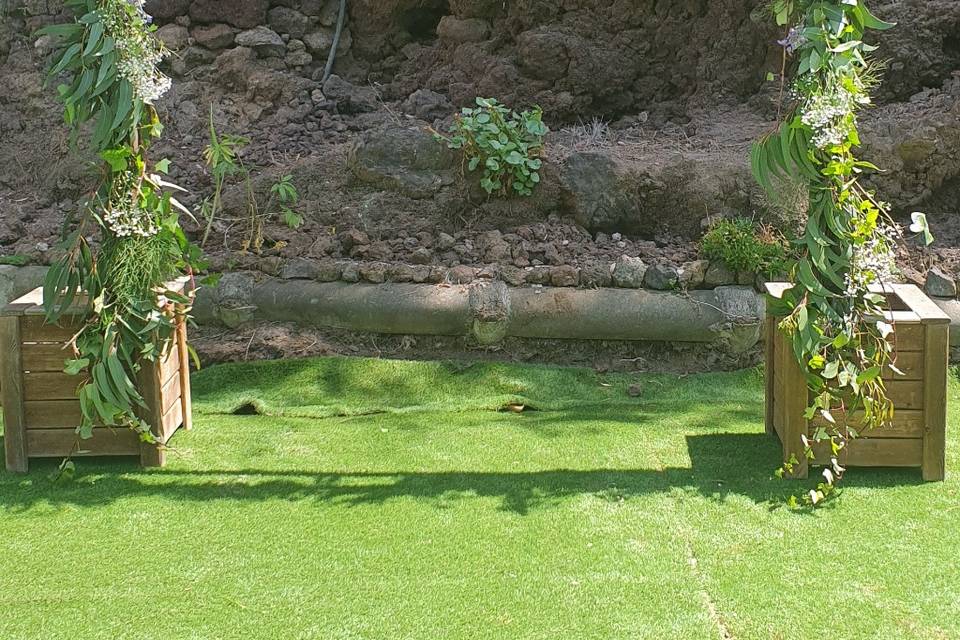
x=722 y=466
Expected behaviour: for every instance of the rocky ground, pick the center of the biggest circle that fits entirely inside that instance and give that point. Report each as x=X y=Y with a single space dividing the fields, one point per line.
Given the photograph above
x=652 y=105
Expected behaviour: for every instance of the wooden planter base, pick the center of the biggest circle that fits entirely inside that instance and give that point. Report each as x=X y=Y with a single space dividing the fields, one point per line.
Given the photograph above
x=41 y=412
x=917 y=436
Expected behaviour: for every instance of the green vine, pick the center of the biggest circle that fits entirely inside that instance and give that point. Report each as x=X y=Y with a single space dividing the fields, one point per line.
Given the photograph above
x=109 y=58
x=834 y=312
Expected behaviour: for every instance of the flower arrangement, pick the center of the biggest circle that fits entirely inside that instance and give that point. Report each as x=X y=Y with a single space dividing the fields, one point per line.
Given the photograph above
x=126 y=242
x=833 y=314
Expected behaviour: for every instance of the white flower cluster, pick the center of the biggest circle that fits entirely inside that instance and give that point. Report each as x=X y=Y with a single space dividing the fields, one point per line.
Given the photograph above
x=139 y=52
x=127 y=219
x=830 y=115
x=873 y=261
x=148 y=84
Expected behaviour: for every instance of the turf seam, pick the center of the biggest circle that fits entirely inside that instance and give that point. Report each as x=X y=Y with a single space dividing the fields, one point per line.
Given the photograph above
x=709 y=603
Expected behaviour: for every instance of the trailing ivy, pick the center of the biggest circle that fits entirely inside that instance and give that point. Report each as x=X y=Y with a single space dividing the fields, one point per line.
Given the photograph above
x=107 y=58
x=834 y=312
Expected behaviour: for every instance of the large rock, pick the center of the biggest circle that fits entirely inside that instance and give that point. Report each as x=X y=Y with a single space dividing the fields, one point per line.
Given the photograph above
x=263 y=40
x=349 y=97
x=916 y=144
x=457 y=30
x=319 y=42
x=173 y=36
x=427 y=105
x=407 y=160
x=287 y=20
x=543 y=54
x=940 y=284
x=719 y=274
x=214 y=36
x=654 y=192
x=593 y=189
x=662 y=277
x=628 y=272
x=167 y=9
x=245 y=14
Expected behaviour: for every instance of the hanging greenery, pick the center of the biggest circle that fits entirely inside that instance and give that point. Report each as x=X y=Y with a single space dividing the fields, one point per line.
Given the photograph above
x=126 y=242
x=833 y=314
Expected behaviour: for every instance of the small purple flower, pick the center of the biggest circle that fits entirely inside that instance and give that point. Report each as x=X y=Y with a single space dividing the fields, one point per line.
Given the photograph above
x=794 y=40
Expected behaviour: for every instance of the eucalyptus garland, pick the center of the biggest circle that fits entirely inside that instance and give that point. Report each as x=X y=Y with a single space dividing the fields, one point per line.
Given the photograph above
x=108 y=57
x=834 y=312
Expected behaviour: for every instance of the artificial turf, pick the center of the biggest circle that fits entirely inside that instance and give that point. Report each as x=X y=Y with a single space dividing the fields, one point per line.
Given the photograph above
x=384 y=499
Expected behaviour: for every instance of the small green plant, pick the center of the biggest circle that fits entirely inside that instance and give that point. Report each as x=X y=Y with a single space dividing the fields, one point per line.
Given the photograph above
x=505 y=144
x=223 y=155
x=286 y=194
x=744 y=246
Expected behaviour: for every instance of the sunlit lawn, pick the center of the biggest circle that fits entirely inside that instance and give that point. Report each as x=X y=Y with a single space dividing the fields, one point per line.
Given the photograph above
x=383 y=499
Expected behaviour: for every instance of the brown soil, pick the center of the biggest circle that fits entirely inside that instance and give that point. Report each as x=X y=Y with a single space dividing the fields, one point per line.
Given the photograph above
x=670 y=93
x=270 y=341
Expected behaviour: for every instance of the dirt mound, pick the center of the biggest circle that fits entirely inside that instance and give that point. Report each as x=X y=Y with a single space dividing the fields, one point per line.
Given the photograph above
x=677 y=90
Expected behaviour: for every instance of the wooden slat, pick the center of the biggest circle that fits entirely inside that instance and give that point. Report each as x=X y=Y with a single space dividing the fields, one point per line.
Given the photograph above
x=150 y=384
x=46 y=443
x=906 y=424
x=779 y=389
x=920 y=304
x=52 y=414
x=31 y=303
x=910 y=363
x=170 y=367
x=935 y=400
x=905 y=394
x=907 y=337
x=170 y=393
x=36 y=329
x=45 y=357
x=794 y=403
x=185 y=393
x=50 y=385
x=171 y=421
x=11 y=388
x=901 y=317
x=770 y=332
x=874 y=452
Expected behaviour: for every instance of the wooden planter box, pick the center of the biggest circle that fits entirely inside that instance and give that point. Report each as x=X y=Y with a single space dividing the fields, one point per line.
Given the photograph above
x=41 y=412
x=917 y=437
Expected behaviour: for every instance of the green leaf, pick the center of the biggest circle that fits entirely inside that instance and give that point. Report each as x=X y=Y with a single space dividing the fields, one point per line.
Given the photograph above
x=869 y=375
x=75 y=366
x=68 y=56
x=831 y=369
x=96 y=33
x=870 y=21
x=292 y=219
x=70 y=30
x=124 y=102
x=514 y=158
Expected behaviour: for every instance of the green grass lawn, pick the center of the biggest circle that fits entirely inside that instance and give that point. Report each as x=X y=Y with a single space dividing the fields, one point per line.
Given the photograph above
x=382 y=499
